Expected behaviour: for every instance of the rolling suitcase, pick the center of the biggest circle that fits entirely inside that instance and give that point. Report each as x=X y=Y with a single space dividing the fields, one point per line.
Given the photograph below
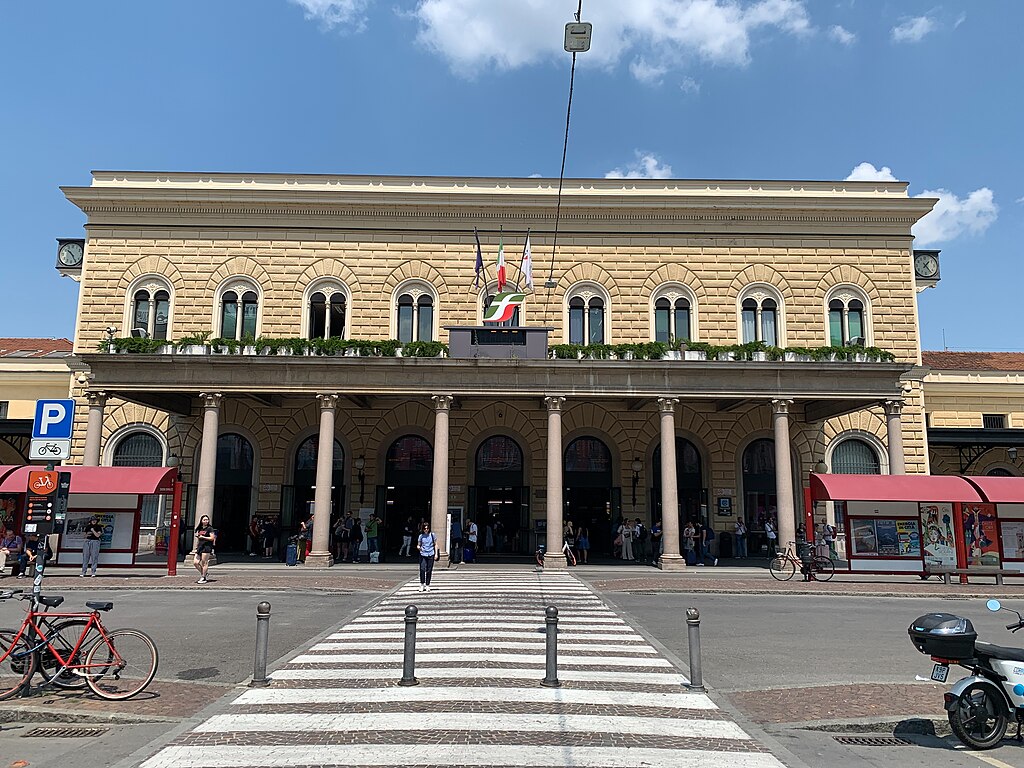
x=291 y=556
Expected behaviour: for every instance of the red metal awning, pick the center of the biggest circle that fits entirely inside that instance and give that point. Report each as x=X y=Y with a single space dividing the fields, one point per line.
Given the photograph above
x=138 y=481
x=892 y=488
x=999 y=490
x=6 y=469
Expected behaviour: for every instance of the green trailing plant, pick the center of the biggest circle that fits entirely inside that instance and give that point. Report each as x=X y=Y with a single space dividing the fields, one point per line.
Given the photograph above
x=878 y=355
x=231 y=345
x=424 y=349
x=746 y=351
x=330 y=346
x=566 y=351
x=598 y=351
x=652 y=350
x=193 y=340
x=132 y=345
x=710 y=350
x=622 y=351
x=774 y=353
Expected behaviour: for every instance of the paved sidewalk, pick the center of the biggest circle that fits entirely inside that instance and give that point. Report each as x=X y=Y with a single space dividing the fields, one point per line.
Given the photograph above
x=480 y=659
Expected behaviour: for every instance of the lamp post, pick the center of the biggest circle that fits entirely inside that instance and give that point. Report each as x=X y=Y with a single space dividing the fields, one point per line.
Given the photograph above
x=636 y=466
x=360 y=464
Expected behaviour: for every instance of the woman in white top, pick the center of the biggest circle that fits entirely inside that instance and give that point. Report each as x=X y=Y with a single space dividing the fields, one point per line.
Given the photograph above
x=626 y=532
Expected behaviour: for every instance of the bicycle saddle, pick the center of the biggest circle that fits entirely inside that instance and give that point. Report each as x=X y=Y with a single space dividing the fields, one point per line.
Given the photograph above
x=97 y=606
x=51 y=601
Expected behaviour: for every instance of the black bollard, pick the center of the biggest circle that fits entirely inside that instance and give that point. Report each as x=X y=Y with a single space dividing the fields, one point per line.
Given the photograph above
x=693 y=635
x=551 y=665
x=409 y=661
x=259 y=668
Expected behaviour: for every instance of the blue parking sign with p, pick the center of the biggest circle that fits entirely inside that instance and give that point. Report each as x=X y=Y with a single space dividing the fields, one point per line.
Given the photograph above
x=54 y=419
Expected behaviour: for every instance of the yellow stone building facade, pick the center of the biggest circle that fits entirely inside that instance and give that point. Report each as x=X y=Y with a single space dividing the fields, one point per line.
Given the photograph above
x=797 y=265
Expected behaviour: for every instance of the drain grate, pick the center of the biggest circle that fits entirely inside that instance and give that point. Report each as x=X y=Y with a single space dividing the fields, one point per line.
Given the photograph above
x=872 y=741
x=65 y=732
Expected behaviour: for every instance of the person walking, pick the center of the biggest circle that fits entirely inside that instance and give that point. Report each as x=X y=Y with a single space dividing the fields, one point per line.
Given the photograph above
x=831 y=534
x=91 y=546
x=643 y=538
x=473 y=534
x=426 y=545
x=707 y=535
x=356 y=538
x=456 y=553
x=255 y=535
x=689 y=543
x=740 y=534
x=626 y=531
x=583 y=543
x=569 y=540
x=269 y=535
x=657 y=542
x=769 y=531
x=206 y=539
x=346 y=538
x=373 y=537
x=407 y=533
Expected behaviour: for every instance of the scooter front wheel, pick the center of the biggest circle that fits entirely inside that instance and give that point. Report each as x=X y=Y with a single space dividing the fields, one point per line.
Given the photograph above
x=979 y=717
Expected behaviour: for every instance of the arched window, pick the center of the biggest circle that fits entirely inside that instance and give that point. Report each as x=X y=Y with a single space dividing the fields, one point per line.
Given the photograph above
x=855 y=457
x=414 y=313
x=239 y=311
x=326 y=311
x=586 y=307
x=141 y=449
x=411 y=453
x=847 y=317
x=761 y=315
x=999 y=472
x=150 y=309
x=589 y=455
x=499 y=454
x=672 y=318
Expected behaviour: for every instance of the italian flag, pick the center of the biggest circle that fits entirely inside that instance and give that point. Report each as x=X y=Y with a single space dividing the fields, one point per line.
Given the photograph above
x=501 y=263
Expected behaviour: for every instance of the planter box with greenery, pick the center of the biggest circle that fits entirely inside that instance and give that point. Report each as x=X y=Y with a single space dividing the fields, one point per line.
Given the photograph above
x=423 y=349
x=131 y=345
x=194 y=344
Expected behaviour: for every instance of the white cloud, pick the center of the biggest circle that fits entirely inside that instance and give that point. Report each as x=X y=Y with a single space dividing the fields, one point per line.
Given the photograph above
x=960 y=20
x=507 y=34
x=953 y=216
x=646 y=72
x=913 y=30
x=646 y=166
x=841 y=35
x=688 y=85
x=868 y=172
x=1019 y=200
x=333 y=13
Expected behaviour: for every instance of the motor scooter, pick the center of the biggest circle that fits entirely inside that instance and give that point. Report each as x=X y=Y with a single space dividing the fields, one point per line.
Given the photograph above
x=981 y=705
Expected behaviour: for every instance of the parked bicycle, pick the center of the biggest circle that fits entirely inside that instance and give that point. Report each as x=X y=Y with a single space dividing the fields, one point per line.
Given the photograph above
x=66 y=648
x=785 y=564
x=570 y=557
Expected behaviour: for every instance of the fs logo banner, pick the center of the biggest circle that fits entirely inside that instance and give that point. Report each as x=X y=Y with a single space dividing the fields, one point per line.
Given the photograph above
x=503 y=307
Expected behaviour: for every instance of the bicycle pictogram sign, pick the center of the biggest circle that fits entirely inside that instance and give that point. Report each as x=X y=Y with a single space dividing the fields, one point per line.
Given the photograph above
x=42 y=483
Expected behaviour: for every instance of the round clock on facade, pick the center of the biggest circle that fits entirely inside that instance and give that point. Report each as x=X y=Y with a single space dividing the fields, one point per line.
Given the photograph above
x=926 y=265
x=70 y=254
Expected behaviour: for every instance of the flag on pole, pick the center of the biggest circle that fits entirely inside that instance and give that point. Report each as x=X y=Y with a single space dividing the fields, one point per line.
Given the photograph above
x=501 y=263
x=479 y=259
x=527 y=268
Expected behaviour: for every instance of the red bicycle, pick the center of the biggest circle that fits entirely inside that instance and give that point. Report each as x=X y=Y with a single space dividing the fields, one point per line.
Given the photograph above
x=68 y=648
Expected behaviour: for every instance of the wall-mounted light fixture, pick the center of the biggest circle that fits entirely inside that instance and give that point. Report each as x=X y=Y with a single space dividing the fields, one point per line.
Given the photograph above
x=820 y=467
x=1012 y=452
x=360 y=464
x=636 y=466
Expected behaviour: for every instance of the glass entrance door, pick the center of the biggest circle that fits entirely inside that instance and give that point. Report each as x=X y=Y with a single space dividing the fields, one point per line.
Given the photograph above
x=505 y=509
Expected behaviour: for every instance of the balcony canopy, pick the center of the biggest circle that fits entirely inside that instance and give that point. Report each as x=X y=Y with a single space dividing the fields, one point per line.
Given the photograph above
x=138 y=481
x=936 y=488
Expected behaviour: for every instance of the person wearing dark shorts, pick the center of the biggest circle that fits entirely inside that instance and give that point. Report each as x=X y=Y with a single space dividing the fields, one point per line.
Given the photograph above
x=426 y=544
x=206 y=537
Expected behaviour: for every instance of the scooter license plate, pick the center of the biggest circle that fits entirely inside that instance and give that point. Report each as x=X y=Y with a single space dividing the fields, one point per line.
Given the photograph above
x=940 y=672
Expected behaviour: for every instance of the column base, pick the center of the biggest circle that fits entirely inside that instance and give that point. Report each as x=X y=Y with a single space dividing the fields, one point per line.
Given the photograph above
x=672 y=563
x=318 y=560
x=555 y=563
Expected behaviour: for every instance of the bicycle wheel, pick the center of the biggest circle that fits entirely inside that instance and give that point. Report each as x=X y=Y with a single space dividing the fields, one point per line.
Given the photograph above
x=121 y=664
x=782 y=568
x=63 y=636
x=823 y=568
x=15 y=672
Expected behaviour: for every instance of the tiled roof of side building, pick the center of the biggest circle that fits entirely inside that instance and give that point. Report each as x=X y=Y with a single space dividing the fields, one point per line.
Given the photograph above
x=27 y=347
x=974 y=361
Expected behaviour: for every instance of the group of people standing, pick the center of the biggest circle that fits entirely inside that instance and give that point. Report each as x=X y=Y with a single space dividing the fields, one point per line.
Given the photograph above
x=635 y=542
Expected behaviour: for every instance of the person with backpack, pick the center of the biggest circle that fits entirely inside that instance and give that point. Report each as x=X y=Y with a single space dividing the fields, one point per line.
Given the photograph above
x=356 y=538
x=707 y=535
x=426 y=545
x=643 y=539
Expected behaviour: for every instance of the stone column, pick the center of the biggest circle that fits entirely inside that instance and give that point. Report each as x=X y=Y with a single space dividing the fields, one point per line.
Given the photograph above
x=553 y=547
x=320 y=554
x=94 y=428
x=671 y=559
x=783 y=473
x=439 y=491
x=894 y=437
x=208 y=456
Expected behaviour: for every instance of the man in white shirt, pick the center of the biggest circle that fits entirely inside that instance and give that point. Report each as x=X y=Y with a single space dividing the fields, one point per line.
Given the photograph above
x=473 y=534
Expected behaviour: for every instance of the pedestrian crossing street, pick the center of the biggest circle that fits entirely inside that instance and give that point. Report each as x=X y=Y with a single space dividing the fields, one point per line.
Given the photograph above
x=480 y=656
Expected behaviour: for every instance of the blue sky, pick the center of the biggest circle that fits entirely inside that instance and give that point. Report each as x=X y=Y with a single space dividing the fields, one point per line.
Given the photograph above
x=923 y=91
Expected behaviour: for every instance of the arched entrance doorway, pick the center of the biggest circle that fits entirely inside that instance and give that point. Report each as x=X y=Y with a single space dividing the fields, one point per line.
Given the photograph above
x=142 y=449
x=689 y=482
x=304 y=480
x=499 y=499
x=759 y=501
x=408 y=479
x=589 y=495
x=232 y=496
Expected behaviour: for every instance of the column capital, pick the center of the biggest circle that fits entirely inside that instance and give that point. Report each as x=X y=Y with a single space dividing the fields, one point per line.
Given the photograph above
x=894 y=407
x=327 y=401
x=442 y=402
x=96 y=397
x=554 y=402
x=667 y=404
x=781 y=406
x=211 y=399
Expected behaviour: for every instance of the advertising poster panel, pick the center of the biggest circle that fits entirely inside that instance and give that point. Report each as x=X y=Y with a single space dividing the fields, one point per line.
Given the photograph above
x=981 y=538
x=74 y=529
x=937 y=534
x=1013 y=539
x=888 y=541
x=909 y=538
x=864 y=539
